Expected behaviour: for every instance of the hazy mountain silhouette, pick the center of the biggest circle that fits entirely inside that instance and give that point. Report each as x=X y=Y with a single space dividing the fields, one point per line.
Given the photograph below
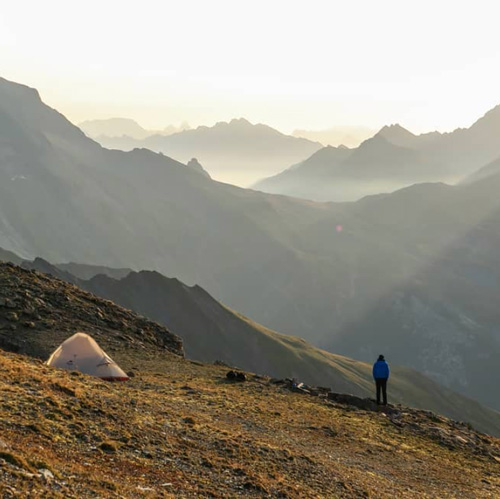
x=234 y=152
x=394 y=158
x=113 y=127
x=125 y=128
x=83 y=271
x=426 y=256
x=489 y=172
x=349 y=136
x=306 y=179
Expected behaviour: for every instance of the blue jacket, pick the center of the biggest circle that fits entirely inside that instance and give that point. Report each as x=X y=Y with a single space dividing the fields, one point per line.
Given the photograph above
x=380 y=369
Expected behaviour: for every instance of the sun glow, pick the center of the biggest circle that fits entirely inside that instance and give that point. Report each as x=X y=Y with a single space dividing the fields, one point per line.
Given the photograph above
x=292 y=65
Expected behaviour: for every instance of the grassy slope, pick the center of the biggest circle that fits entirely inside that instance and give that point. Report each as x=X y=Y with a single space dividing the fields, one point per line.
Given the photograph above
x=177 y=429
x=210 y=331
x=295 y=357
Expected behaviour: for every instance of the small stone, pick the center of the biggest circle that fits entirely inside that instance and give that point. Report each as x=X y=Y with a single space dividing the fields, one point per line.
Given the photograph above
x=46 y=474
x=38 y=302
x=12 y=316
x=28 y=310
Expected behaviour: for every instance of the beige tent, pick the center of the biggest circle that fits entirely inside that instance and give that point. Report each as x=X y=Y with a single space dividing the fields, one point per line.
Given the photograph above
x=82 y=353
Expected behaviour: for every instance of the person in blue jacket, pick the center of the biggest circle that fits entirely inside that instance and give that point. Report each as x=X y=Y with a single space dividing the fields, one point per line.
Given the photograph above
x=381 y=375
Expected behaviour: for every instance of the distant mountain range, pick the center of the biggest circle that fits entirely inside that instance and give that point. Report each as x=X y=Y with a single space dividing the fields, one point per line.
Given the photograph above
x=394 y=158
x=414 y=274
x=106 y=129
x=237 y=152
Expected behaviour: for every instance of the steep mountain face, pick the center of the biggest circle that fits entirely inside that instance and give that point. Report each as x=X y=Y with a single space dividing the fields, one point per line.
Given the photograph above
x=392 y=159
x=426 y=255
x=235 y=152
x=209 y=332
x=446 y=298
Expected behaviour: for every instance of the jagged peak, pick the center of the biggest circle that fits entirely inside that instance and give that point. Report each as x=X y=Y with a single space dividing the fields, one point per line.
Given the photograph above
x=395 y=129
x=235 y=122
x=195 y=165
x=396 y=134
x=240 y=122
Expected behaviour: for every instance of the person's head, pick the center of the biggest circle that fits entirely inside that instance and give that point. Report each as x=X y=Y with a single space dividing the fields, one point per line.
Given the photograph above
x=381 y=357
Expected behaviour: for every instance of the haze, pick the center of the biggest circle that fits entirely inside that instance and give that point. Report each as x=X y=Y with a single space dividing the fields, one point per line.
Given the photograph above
x=427 y=65
x=387 y=246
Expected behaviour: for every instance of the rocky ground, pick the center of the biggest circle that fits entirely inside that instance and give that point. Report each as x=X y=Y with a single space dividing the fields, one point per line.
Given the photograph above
x=38 y=312
x=180 y=429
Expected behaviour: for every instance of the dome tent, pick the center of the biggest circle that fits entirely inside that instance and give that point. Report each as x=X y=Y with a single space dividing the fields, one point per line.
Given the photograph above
x=82 y=353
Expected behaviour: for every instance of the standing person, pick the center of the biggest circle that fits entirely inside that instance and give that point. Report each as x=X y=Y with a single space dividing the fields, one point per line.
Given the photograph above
x=381 y=375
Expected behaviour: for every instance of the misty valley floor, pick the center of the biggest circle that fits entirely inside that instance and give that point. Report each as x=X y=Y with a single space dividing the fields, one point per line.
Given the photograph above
x=179 y=429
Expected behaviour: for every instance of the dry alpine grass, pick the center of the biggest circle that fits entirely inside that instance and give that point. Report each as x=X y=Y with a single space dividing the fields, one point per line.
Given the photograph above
x=179 y=429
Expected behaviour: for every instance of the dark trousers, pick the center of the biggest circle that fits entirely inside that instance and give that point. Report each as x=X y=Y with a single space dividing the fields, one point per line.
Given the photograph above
x=381 y=385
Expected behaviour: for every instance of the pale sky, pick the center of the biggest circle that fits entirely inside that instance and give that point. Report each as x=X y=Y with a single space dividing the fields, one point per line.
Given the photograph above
x=291 y=64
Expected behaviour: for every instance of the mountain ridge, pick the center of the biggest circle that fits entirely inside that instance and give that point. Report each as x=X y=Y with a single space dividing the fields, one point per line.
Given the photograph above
x=435 y=157
x=238 y=146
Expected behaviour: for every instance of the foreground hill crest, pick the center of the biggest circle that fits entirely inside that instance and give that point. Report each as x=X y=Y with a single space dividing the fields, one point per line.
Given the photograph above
x=38 y=312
